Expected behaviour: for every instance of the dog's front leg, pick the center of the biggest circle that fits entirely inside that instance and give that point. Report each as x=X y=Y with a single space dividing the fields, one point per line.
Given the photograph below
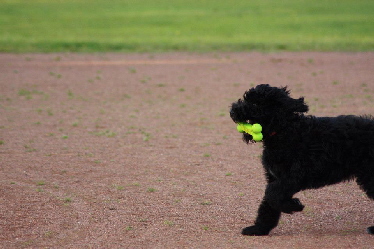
x=277 y=199
x=279 y=195
x=267 y=219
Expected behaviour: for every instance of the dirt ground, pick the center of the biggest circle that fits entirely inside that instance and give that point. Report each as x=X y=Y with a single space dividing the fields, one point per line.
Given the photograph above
x=138 y=150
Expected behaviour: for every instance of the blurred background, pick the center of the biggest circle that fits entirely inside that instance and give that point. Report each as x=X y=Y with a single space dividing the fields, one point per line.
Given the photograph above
x=185 y=25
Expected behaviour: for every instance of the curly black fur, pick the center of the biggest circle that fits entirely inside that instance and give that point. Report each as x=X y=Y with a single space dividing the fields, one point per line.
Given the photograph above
x=303 y=152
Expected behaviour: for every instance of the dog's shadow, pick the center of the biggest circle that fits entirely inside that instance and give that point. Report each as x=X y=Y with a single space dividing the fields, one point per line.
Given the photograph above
x=316 y=223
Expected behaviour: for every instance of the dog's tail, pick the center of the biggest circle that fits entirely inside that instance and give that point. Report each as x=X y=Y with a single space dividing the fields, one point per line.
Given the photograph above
x=371 y=230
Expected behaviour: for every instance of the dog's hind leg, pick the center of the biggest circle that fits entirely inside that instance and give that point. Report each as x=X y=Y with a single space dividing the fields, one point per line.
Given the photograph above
x=279 y=195
x=292 y=205
x=267 y=219
x=281 y=199
x=366 y=182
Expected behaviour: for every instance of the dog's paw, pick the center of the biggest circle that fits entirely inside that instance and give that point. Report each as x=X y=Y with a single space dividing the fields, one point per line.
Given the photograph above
x=255 y=231
x=291 y=206
x=370 y=230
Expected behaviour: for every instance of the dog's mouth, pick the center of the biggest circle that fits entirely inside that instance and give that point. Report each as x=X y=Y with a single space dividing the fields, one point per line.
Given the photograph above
x=248 y=121
x=251 y=132
x=247 y=138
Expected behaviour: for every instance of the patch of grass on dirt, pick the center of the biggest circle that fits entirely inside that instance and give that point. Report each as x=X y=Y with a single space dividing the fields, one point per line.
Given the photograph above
x=132 y=70
x=206 y=203
x=67 y=200
x=106 y=133
x=146 y=136
x=56 y=75
x=40 y=183
x=29 y=148
x=27 y=94
x=169 y=223
x=49 y=112
x=70 y=94
x=151 y=190
x=118 y=187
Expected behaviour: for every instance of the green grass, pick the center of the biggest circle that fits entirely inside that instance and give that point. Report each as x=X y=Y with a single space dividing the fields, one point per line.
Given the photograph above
x=185 y=25
x=151 y=190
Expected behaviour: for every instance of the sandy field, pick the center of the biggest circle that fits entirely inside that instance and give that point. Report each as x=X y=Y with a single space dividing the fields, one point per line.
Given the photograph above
x=139 y=151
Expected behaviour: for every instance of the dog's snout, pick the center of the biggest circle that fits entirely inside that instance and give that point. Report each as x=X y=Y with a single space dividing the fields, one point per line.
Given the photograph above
x=232 y=113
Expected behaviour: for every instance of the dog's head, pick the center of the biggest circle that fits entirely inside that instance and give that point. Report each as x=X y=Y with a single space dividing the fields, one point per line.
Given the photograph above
x=271 y=107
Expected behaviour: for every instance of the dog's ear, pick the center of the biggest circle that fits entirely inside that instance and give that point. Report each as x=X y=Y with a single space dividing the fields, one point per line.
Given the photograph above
x=295 y=105
x=298 y=105
x=284 y=89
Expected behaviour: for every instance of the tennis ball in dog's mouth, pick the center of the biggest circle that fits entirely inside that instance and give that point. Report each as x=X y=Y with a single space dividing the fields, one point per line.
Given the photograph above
x=239 y=127
x=256 y=128
x=257 y=136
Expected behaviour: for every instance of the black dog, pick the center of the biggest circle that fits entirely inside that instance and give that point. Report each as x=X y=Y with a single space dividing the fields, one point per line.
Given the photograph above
x=303 y=152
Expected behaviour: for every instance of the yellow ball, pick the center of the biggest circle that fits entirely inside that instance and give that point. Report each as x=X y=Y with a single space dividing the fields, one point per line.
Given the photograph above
x=240 y=128
x=256 y=128
x=257 y=137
